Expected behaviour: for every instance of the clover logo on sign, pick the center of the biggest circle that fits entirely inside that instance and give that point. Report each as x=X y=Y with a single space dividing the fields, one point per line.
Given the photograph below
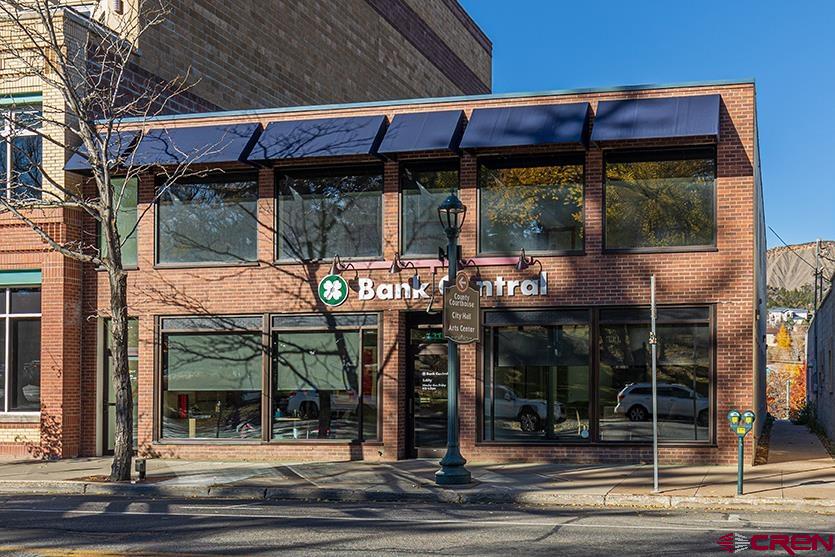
x=333 y=290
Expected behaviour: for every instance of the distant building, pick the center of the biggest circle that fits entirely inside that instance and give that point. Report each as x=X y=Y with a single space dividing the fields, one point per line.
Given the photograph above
x=776 y=316
x=820 y=372
x=771 y=335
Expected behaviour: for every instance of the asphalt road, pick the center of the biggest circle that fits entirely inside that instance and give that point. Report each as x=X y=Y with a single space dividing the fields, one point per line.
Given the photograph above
x=50 y=526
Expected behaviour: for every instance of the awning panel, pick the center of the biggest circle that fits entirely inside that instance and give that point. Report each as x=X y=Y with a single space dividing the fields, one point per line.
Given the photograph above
x=526 y=125
x=423 y=131
x=120 y=144
x=199 y=145
x=657 y=118
x=320 y=137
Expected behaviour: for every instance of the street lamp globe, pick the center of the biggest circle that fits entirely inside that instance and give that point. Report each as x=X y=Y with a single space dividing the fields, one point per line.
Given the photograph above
x=452 y=213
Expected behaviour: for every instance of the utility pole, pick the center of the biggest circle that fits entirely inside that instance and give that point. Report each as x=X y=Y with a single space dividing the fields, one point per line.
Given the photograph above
x=815 y=314
x=788 y=398
x=818 y=274
x=653 y=341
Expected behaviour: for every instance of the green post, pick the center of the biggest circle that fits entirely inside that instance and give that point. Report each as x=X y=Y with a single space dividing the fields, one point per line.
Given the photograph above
x=741 y=424
x=452 y=472
x=740 y=456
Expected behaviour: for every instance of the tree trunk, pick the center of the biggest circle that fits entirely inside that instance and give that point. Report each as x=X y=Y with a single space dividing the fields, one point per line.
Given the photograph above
x=123 y=451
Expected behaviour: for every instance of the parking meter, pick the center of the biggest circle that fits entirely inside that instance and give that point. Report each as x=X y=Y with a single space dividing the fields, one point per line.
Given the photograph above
x=740 y=424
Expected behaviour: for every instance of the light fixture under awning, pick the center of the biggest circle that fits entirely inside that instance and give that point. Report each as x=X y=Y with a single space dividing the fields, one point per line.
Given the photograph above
x=519 y=126
x=668 y=117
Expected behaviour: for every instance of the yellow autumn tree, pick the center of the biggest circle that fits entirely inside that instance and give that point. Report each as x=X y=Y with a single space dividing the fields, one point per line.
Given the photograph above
x=783 y=339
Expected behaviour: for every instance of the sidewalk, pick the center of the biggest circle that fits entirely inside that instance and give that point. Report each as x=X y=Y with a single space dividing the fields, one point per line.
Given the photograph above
x=800 y=477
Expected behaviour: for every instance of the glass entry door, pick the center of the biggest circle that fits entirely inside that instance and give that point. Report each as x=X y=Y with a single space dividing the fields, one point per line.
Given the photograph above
x=109 y=398
x=426 y=396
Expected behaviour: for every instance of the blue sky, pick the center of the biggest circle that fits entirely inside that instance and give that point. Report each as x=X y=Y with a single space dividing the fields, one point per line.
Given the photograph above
x=787 y=47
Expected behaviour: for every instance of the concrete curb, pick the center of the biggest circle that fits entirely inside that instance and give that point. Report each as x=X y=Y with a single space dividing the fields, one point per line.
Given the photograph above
x=457 y=496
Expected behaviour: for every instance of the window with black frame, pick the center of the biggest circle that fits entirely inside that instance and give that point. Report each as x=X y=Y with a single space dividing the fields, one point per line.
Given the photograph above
x=325 y=377
x=21 y=152
x=683 y=375
x=211 y=378
x=535 y=205
x=660 y=199
x=422 y=189
x=210 y=220
x=20 y=349
x=330 y=212
x=538 y=377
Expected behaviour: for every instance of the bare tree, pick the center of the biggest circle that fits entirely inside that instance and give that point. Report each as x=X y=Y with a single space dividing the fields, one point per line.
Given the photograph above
x=88 y=59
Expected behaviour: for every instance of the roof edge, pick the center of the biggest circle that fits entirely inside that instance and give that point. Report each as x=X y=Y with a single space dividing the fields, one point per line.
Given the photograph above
x=254 y=112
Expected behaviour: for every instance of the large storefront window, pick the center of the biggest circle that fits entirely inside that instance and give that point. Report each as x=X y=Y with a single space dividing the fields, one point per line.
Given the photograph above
x=540 y=383
x=20 y=350
x=210 y=221
x=532 y=205
x=325 y=377
x=658 y=200
x=126 y=219
x=21 y=153
x=110 y=387
x=683 y=375
x=327 y=213
x=537 y=387
x=211 y=378
x=423 y=189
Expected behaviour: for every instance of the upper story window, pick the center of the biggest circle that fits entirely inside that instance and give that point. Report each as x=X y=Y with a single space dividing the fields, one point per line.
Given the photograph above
x=330 y=212
x=661 y=199
x=20 y=153
x=126 y=218
x=423 y=189
x=20 y=349
x=210 y=220
x=535 y=205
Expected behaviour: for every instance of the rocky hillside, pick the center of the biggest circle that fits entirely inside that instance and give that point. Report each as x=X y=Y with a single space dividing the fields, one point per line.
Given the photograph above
x=787 y=271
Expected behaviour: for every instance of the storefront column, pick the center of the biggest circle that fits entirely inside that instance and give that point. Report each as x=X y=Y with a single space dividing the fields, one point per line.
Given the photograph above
x=393 y=369
x=60 y=356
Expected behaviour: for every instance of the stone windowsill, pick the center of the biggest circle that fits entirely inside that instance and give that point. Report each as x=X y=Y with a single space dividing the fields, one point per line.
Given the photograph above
x=15 y=418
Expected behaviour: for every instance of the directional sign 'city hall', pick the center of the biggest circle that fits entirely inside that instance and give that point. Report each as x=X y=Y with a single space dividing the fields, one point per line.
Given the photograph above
x=462 y=303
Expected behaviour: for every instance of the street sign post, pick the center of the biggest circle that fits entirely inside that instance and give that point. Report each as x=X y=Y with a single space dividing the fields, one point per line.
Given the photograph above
x=462 y=303
x=740 y=424
x=653 y=341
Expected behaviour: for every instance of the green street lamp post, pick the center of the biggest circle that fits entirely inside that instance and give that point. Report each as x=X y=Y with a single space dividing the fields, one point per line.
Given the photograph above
x=452 y=213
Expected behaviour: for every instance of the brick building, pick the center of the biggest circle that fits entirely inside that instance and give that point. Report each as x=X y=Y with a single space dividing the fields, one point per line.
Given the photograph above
x=287 y=307
x=820 y=370
x=298 y=53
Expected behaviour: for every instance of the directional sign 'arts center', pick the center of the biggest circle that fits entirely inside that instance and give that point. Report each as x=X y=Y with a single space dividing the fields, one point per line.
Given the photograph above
x=462 y=304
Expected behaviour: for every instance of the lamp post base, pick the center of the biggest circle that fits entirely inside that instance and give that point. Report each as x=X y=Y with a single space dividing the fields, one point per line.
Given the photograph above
x=452 y=470
x=452 y=475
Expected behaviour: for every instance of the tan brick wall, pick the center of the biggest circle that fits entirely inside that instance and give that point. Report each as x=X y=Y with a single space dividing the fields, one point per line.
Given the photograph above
x=283 y=52
x=723 y=278
x=440 y=16
x=23 y=434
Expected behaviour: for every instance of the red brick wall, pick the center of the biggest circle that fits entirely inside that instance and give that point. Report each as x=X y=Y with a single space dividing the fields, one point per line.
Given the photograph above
x=61 y=313
x=724 y=277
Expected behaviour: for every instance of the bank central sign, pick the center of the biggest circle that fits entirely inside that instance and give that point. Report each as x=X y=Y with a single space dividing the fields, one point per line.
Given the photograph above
x=334 y=290
x=498 y=287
